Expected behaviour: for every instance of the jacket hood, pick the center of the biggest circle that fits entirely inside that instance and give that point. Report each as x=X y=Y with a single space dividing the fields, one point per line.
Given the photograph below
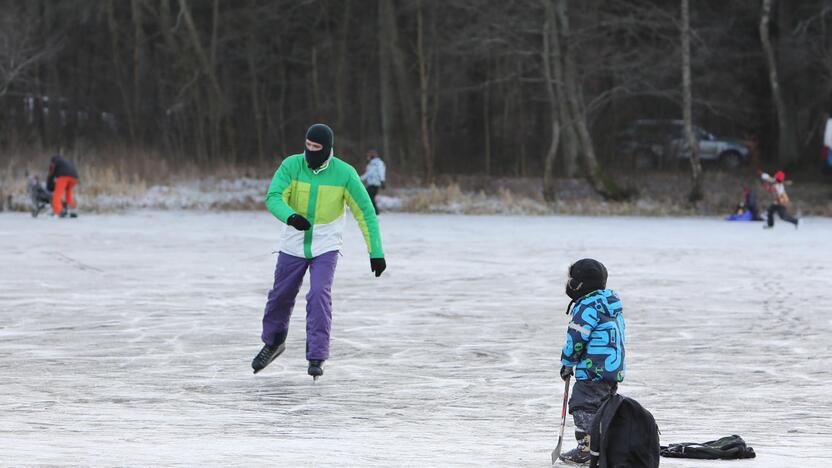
x=602 y=300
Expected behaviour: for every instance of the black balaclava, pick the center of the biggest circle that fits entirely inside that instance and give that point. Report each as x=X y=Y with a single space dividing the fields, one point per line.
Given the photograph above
x=321 y=134
x=585 y=275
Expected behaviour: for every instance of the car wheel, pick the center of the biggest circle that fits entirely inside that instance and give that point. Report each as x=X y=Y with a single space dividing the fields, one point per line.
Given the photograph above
x=730 y=160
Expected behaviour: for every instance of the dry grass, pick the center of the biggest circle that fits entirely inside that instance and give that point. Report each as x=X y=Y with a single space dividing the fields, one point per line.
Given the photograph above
x=96 y=179
x=117 y=178
x=659 y=194
x=452 y=199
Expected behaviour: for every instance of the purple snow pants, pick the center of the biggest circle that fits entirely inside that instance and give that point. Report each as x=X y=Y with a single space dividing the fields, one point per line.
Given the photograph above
x=288 y=276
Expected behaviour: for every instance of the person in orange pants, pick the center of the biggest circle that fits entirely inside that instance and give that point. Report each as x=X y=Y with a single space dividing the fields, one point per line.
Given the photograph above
x=62 y=178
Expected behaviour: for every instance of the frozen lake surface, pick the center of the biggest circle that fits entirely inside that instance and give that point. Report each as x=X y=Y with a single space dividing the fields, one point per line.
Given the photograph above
x=126 y=340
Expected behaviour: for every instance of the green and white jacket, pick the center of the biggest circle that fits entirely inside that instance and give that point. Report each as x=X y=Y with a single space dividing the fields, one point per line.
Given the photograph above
x=320 y=196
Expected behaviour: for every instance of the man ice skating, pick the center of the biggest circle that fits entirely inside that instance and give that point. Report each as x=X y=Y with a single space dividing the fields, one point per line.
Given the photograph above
x=776 y=186
x=61 y=180
x=594 y=347
x=374 y=175
x=309 y=192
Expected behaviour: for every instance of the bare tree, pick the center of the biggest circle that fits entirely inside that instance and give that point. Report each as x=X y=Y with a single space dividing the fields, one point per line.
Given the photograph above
x=550 y=33
x=19 y=51
x=385 y=82
x=224 y=82
x=424 y=93
x=696 y=193
x=786 y=146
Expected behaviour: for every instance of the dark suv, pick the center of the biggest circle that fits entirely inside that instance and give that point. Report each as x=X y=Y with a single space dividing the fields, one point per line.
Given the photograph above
x=655 y=142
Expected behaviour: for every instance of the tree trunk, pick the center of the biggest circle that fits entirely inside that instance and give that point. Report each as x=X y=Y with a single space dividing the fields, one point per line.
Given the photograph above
x=569 y=150
x=550 y=31
x=254 y=86
x=125 y=96
x=424 y=90
x=785 y=138
x=406 y=104
x=316 y=85
x=577 y=118
x=385 y=84
x=202 y=56
x=138 y=64
x=341 y=76
x=576 y=110
x=568 y=138
x=218 y=109
x=696 y=192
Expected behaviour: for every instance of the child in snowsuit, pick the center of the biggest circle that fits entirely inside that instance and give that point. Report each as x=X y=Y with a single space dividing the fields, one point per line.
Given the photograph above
x=309 y=192
x=776 y=186
x=594 y=348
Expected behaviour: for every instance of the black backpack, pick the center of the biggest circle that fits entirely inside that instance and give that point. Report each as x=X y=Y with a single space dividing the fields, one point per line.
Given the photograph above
x=726 y=448
x=624 y=435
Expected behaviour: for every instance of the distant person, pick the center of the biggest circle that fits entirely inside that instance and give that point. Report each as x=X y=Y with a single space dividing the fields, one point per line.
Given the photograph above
x=309 y=192
x=594 y=348
x=373 y=175
x=61 y=180
x=826 y=153
x=746 y=209
x=777 y=187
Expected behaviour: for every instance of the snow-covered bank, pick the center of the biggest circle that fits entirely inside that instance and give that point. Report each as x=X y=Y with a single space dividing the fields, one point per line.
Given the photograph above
x=126 y=340
x=475 y=196
x=248 y=194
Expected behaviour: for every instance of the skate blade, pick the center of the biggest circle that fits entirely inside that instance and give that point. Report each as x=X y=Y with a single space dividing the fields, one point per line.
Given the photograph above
x=563 y=462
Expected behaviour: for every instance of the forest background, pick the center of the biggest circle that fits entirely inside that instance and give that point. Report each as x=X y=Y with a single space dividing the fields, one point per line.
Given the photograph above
x=465 y=99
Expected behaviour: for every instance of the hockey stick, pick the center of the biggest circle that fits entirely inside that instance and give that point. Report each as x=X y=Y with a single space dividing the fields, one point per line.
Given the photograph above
x=556 y=451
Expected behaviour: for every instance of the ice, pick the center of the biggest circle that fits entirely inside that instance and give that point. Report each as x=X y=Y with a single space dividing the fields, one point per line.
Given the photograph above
x=126 y=340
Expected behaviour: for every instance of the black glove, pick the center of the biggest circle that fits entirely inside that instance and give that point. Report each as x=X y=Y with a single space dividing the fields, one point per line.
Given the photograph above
x=298 y=222
x=566 y=372
x=377 y=266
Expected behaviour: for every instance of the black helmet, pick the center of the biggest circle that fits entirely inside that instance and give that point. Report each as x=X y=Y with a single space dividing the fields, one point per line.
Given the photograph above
x=585 y=275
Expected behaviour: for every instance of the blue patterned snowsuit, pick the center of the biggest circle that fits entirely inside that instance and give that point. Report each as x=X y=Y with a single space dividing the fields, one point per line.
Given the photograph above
x=595 y=347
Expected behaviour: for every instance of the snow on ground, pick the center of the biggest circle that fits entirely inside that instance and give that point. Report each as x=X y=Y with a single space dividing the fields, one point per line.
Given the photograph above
x=126 y=340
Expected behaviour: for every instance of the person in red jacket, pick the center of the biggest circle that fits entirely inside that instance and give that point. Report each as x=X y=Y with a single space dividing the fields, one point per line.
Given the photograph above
x=776 y=186
x=61 y=180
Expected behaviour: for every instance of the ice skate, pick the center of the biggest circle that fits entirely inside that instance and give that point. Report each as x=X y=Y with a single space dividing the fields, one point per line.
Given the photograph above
x=577 y=456
x=266 y=356
x=316 y=369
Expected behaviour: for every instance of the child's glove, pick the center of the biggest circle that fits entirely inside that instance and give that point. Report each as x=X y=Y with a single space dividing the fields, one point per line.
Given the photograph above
x=566 y=372
x=377 y=266
x=298 y=222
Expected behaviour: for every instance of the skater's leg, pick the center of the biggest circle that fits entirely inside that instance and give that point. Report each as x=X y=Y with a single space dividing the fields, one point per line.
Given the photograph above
x=586 y=398
x=780 y=210
x=372 y=190
x=288 y=276
x=584 y=403
x=770 y=219
x=784 y=215
x=319 y=305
